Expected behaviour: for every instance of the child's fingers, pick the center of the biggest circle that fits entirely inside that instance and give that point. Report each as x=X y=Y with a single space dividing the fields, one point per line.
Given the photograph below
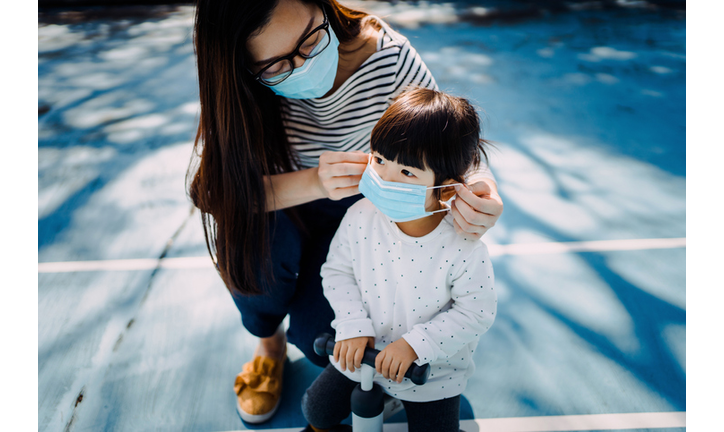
x=371 y=342
x=378 y=361
x=402 y=371
x=358 y=357
x=394 y=370
x=351 y=353
x=386 y=367
x=335 y=353
x=342 y=357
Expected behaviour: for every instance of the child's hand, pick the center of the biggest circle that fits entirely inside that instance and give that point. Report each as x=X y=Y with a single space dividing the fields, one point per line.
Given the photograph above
x=393 y=361
x=349 y=352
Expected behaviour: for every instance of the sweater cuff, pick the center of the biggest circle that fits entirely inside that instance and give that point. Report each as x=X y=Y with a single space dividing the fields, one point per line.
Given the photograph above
x=420 y=343
x=354 y=328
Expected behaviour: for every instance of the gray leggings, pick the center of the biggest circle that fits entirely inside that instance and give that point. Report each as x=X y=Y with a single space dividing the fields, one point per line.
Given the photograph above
x=327 y=402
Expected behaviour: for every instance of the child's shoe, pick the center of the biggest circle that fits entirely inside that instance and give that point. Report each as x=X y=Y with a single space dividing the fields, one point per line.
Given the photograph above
x=259 y=388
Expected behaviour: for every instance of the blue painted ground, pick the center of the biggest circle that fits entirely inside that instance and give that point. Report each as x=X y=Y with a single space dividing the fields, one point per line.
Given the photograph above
x=587 y=110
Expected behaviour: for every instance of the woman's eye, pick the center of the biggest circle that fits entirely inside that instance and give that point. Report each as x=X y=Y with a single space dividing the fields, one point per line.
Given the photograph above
x=309 y=44
x=407 y=173
x=276 y=70
x=312 y=41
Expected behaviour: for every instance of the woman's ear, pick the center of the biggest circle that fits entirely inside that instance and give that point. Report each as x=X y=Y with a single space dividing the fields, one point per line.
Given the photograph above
x=448 y=192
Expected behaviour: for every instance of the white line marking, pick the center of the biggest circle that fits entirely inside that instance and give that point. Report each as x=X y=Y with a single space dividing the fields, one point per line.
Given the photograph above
x=585 y=246
x=556 y=423
x=578 y=422
x=126 y=264
x=204 y=262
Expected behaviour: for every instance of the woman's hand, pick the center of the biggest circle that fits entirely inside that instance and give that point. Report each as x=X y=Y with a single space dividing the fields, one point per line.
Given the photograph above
x=476 y=208
x=349 y=352
x=339 y=173
x=393 y=361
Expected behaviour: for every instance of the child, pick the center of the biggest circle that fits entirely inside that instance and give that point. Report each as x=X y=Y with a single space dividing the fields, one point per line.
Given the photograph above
x=399 y=277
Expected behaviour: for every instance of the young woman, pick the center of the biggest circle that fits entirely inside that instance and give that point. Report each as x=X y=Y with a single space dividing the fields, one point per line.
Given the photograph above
x=290 y=91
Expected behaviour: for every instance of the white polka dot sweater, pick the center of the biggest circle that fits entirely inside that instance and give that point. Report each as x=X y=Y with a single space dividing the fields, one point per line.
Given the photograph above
x=435 y=291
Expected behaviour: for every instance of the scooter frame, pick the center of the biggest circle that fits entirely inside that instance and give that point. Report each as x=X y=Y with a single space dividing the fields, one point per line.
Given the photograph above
x=368 y=399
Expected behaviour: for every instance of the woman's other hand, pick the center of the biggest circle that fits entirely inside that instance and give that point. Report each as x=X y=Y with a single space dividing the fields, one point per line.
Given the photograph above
x=476 y=208
x=339 y=173
x=349 y=352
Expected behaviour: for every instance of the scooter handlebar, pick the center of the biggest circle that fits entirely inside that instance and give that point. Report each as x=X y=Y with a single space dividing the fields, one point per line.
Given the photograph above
x=324 y=345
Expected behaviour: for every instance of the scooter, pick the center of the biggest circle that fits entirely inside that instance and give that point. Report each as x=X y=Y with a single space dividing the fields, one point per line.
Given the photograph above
x=370 y=404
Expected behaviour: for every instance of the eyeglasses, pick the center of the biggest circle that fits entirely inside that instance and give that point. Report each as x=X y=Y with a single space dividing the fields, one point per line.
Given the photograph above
x=311 y=46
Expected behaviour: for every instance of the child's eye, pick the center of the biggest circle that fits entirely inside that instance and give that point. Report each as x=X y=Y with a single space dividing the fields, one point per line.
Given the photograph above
x=379 y=160
x=407 y=173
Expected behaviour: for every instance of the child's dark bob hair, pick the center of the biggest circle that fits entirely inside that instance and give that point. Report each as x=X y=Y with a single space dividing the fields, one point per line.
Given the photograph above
x=428 y=129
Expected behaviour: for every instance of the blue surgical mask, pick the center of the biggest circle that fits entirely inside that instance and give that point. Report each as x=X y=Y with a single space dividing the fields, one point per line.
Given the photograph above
x=316 y=76
x=401 y=202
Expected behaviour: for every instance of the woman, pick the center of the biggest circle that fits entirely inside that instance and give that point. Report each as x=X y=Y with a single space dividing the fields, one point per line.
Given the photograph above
x=290 y=91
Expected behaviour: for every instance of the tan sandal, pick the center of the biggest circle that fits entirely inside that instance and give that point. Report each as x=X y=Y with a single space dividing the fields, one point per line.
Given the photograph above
x=259 y=389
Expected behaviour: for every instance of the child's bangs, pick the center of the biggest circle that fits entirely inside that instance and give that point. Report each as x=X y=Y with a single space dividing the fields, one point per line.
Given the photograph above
x=409 y=136
x=400 y=145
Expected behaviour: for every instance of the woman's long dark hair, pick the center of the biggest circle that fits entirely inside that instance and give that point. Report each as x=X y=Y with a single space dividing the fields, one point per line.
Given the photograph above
x=241 y=137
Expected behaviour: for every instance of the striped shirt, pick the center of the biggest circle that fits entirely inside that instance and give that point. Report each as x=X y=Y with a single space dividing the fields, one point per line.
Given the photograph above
x=343 y=120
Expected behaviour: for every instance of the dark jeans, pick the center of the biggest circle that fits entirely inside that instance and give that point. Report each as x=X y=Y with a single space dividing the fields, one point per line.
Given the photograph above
x=297 y=256
x=327 y=402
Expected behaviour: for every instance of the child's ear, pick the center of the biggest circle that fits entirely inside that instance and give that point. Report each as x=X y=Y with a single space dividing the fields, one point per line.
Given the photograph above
x=448 y=192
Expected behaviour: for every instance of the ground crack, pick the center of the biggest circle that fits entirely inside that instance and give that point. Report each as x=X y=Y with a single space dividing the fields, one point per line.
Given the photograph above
x=165 y=251
x=78 y=400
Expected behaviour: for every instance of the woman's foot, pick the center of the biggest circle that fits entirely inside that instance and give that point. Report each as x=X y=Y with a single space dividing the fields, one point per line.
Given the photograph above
x=259 y=386
x=274 y=347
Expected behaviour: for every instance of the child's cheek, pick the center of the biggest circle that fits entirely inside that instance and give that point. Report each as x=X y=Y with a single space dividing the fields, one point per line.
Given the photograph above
x=430 y=201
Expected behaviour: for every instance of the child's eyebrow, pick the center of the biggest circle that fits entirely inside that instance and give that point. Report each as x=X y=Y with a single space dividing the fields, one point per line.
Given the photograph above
x=413 y=169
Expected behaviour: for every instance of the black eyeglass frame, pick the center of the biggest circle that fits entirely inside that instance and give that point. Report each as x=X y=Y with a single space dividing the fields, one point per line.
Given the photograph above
x=290 y=57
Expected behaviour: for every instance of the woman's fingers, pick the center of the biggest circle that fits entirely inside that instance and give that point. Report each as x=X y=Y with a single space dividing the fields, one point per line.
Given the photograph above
x=467 y=216
x=476 y=209
x=483 y=199
x=462 y=226
x=342 y=187
x=339 y=193
x=476 y=203
x=343 y=182
x=340 y=173
x=347 y=169
x=485 y=221
x=333 y=157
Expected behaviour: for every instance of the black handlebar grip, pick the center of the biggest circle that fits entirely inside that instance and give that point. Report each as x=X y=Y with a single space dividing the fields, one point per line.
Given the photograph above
x=324 y=345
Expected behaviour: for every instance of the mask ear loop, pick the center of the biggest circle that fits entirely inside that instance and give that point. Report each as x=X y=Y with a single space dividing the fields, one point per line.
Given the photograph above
x=446 y=209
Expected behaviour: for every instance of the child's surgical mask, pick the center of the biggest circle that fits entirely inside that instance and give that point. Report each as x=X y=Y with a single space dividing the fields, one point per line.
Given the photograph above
x=401 y=202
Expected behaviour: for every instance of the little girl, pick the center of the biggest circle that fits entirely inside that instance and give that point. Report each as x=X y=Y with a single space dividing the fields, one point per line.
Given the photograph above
x=399 y=277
